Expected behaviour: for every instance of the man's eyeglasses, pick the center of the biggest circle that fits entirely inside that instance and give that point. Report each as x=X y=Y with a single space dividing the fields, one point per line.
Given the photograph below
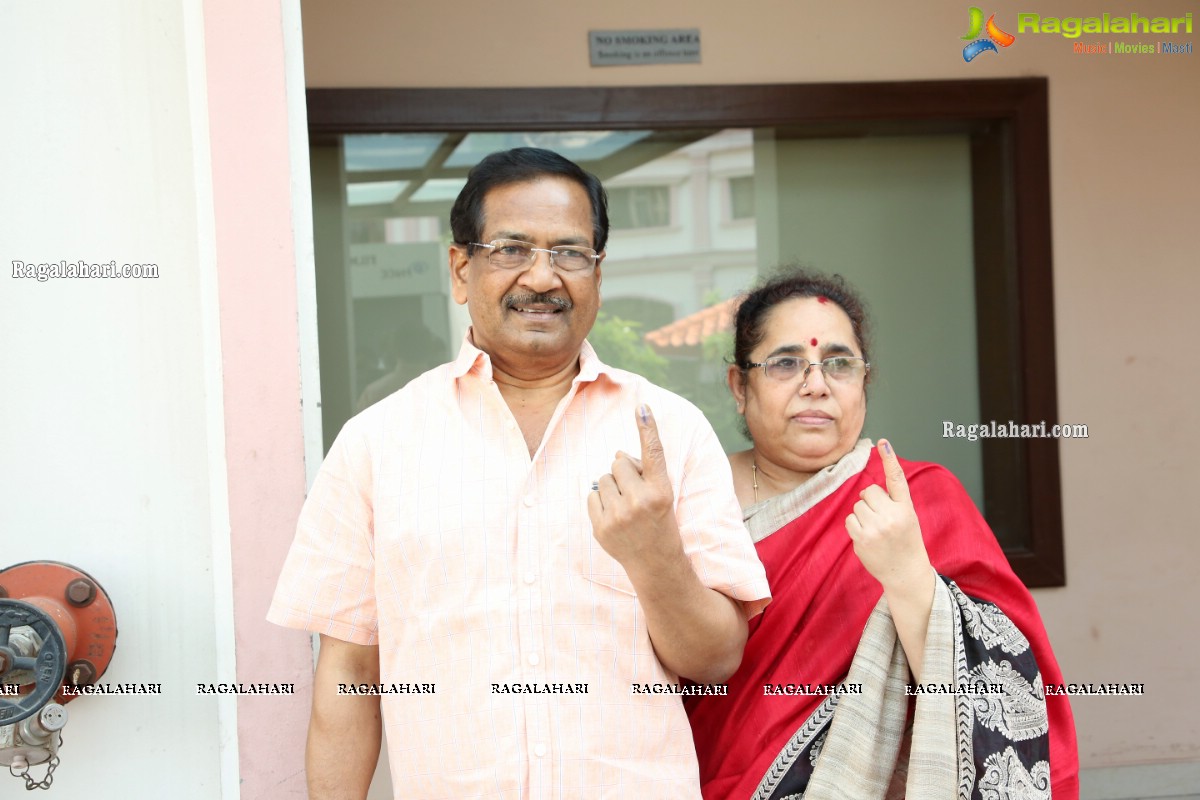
x=843 y=369
x=514 y=254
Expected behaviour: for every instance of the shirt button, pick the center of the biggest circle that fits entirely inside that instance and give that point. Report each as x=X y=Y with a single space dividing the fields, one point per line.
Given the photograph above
x=539 y=750
x=533 y=659
x=528 y=500
x=530 y=577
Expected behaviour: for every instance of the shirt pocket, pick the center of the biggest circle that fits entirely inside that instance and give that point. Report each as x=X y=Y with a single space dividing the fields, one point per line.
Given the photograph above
x=588 y=559
x=601 y=569
x=595 y=565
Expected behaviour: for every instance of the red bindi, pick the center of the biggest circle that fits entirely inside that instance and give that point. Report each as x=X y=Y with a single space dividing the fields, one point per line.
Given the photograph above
x=822 y=299
x=813 y=342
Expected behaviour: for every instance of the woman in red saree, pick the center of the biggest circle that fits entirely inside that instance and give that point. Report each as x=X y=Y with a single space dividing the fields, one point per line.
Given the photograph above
x=900 y=656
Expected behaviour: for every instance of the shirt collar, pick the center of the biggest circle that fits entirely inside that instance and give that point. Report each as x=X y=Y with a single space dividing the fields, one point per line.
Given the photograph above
x=472 y=359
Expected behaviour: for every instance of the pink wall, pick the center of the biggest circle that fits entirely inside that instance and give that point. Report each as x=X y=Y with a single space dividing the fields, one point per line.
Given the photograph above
x=259 y=342
x=1124 y=179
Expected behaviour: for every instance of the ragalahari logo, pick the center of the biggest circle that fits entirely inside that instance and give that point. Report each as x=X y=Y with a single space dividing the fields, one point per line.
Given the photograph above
x=995 y=36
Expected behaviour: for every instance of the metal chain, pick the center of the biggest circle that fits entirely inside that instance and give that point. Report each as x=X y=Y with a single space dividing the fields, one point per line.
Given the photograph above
x=44 y=783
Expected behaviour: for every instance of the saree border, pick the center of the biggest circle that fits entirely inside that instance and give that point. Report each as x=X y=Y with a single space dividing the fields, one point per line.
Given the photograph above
x=801 y=740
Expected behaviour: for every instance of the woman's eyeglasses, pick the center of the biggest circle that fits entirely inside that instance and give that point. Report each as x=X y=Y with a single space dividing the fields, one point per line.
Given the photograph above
x=843 y=369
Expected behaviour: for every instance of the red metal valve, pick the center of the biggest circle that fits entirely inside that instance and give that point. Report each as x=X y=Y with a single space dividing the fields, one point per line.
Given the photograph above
x=80 y=608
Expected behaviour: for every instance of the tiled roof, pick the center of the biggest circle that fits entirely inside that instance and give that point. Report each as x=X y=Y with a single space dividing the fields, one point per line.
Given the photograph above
x=690 y=331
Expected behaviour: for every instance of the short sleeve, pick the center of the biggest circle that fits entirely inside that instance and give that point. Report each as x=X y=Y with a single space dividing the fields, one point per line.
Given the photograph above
x=327 y=584
x=710 y=523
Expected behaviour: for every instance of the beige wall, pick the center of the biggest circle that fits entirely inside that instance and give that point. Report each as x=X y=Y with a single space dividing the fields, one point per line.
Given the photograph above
x=1125 y=178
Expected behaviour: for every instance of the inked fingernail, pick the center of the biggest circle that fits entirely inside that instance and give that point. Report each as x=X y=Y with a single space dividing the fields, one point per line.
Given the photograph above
x=644 y=413
x=887 y=446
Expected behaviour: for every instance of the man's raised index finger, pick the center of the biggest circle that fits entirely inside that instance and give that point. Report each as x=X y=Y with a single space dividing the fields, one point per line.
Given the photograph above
x=654 y=462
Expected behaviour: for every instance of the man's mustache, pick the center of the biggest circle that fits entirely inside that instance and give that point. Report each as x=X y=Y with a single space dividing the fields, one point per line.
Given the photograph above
x=514 y=300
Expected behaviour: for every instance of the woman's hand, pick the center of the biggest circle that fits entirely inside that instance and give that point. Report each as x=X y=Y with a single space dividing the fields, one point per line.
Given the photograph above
x=887 y=540
x=885 y=531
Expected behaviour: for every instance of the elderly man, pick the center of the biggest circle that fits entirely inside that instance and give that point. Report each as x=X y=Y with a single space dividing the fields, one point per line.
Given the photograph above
x=484 y=551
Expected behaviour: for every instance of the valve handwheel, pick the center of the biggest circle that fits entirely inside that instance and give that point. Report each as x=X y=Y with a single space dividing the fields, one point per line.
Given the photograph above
x=49 y=666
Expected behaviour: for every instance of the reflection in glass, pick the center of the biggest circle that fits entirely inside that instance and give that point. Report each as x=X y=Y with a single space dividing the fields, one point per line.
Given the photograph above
x=384 y=151
x=579 y=146
x=697 y=216
x=439 y=189
x=375 y=193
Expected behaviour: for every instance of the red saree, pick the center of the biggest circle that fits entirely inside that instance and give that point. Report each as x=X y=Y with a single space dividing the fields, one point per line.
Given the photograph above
x=823 y=598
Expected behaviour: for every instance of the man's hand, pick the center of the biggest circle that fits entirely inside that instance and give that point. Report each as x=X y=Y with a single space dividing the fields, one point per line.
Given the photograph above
x=697 y=632
x=633 y=508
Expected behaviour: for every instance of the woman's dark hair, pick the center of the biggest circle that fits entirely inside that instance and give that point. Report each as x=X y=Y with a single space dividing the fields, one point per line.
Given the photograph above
x=519 y=165
x=787 y=283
